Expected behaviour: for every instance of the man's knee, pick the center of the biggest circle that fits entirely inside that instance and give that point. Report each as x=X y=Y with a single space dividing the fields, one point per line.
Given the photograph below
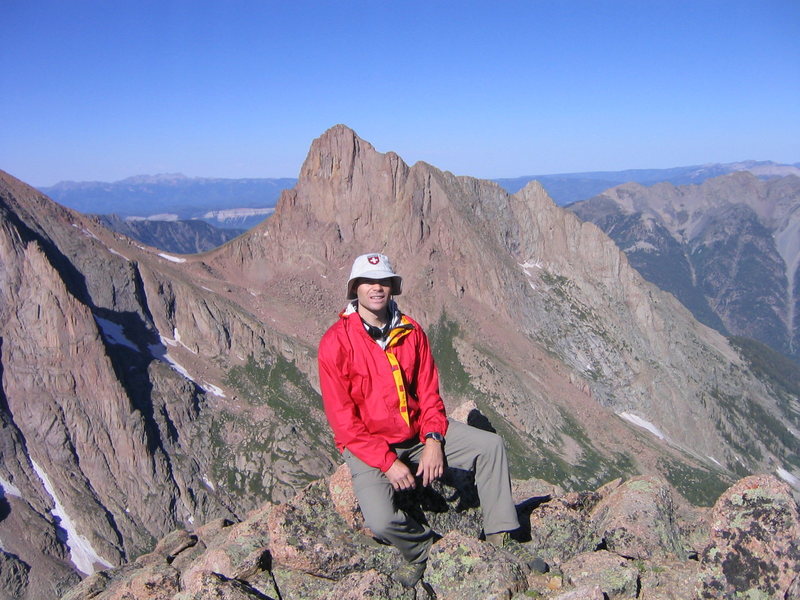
x=381 y=518
x=490 y=443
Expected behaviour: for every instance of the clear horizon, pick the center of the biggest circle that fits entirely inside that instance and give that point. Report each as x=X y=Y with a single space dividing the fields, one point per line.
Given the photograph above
x=101 y=91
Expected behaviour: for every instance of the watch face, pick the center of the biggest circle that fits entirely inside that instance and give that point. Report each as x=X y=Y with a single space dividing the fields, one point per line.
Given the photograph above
x=436 y=436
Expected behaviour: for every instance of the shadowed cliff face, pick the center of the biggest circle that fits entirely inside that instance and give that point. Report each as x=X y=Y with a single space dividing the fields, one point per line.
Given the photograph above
x=728 y=249
x=150 y=391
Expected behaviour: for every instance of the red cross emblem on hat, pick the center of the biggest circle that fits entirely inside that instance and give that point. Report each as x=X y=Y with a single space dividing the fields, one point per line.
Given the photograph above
x=374 y=260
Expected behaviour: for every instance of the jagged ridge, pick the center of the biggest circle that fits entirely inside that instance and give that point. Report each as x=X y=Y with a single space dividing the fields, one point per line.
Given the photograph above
x=193 y=377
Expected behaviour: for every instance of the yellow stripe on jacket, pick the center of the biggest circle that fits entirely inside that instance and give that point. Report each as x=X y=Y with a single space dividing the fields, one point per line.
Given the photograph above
x=395 y=335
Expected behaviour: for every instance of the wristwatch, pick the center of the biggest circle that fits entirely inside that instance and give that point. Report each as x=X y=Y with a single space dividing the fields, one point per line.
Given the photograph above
x=435 y=435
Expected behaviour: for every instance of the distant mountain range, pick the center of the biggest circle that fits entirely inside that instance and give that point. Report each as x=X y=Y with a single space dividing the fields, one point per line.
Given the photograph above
x=233 y=203
x=566 y=188
x=243 y=203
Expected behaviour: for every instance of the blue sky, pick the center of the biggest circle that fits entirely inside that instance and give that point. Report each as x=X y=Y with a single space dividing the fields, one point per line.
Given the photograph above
x=104 y=89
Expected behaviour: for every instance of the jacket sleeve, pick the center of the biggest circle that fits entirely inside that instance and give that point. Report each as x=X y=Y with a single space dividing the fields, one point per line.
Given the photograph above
x=432 y=412
x=349 y=430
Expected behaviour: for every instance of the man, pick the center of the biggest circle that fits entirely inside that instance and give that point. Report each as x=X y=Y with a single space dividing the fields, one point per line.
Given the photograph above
x=380 y=389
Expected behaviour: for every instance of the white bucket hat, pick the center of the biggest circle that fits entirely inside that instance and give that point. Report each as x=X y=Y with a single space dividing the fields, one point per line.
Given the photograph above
x=373 y=266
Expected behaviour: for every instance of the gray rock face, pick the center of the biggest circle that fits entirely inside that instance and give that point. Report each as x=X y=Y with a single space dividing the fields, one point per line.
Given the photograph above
x=13 y=575
x=728 y=248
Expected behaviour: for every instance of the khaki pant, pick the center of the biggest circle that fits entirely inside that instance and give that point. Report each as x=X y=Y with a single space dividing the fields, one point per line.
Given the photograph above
x=466 y=448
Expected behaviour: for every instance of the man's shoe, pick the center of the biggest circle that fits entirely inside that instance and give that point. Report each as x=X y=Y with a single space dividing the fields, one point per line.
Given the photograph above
x=519 y=551
x=410 y=574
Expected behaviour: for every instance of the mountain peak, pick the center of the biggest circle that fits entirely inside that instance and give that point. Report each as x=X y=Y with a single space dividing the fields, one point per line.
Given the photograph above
x=183 y=362
x=347 y=182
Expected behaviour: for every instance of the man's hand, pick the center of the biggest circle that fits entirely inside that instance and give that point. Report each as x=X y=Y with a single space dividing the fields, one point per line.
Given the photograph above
x=400 y=476
x=431 y=462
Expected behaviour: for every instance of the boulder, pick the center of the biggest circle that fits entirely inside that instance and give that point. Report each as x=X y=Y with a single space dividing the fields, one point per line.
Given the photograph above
x=288 y=584
x=369 y=584
x=668 y=579
x=637 y=520
x=526 y=491
x=154 y=580
x=754 y=545
x=213 y=586
x=174 y=543
x=584 y=592
x=616 y=576
x=340 y=487
x=562 y=528
x=307 y=534
x=461 y=567
x=235 y=551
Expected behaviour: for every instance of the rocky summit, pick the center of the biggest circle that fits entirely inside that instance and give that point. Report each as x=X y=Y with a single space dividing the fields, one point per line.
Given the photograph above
x=627 y=540
x=145 y=393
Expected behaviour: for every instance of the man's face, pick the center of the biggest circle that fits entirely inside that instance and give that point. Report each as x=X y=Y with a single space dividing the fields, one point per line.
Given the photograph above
x=374 y=294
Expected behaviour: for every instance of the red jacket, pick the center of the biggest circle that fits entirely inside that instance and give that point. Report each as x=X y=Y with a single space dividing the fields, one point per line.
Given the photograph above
x=361 y=396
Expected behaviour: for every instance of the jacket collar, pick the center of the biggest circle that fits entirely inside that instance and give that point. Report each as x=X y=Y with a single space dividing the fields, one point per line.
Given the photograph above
x=400 y=324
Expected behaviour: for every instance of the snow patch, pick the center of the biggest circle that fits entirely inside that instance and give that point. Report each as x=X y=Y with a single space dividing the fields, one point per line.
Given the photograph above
x=640 y=422
x=175 y=259
x=118 y=254
x=641 y=247
x=714 y=460
x=176 y=366
x=212 y=389
x=171 y=342
x=207 y=481
x=114 y=333
x=530 y=264
x=178 y=341
x=82 y=554
x=159 y=351
x=526 y=266
x=232 y=214
x=9 y=489
x=85 y=231
x=788 y=477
